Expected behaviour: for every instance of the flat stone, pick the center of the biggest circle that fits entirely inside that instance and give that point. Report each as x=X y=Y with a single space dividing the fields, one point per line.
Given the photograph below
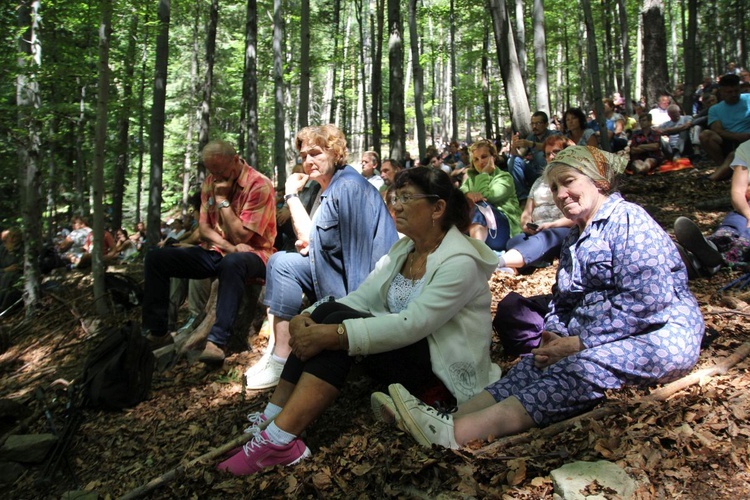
x=575 y=481
x=27 y=448
x=10 y=471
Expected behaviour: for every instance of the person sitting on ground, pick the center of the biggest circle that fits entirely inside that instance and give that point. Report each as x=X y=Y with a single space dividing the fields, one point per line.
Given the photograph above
x=237 y=226
x=175 y=233
x=421 y=318
x=370 y=166
x=496 y=215
x=576 y=131
x=729 y=125
x=527 y=160
x=645 y=147
x=678 y=131
x=621 y=314
x=11 y=267
x=139 y=235
x=123 y=249
x=436 y=161
x=388 y=172
x=659 y=114
x=730 y=243
x=615 y=126
x=350 y=231
x=73 y=247
x=544 y=225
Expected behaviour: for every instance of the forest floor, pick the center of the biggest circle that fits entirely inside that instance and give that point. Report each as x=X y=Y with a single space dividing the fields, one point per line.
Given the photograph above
x=694 y=445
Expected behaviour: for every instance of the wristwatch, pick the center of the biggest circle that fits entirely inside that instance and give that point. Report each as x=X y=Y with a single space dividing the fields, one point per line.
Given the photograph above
x=341 y=330
x=224 y=204
x=291 y=195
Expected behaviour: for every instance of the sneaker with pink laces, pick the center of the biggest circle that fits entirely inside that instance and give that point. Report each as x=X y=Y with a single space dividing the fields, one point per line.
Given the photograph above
x=260 y=453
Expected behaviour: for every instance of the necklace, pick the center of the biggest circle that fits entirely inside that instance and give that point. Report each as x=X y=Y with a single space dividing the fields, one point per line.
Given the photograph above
x=424 y=261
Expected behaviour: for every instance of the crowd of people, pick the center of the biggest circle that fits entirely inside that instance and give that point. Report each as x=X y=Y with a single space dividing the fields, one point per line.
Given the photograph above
x=387 y=266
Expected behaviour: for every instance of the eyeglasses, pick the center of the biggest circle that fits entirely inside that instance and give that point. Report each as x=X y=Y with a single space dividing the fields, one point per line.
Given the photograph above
x=405 y=199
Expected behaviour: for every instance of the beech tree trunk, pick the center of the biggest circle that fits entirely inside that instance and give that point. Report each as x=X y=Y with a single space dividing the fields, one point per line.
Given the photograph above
x=376 y=79
x=249 y=120
x=510 y=70
x=153 y=221
x=691 y=62
x=279 y=141
x=28 y=100
x=626 y=60
x=486 y=85
x=204 y=128
x=655 y=76
x=418 y=79
x=304 y=67
x=540 y=59
x=521 y=38
x=593 y=67
x=396 y=113
x=454 y=73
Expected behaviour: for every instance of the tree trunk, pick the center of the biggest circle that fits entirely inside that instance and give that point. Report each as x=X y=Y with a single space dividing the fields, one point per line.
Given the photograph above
x=521 y=38
x=593 y=60
x=607 y=49
x=655 y=78
x=692 y=63
x=249 y=134
x=376 y=79
x=187 y=164
x=123 y=126
x=334 y=66
x=97 y=264
x=418 y=79
x=279 y=141
x=626 y=61
x=540 y=58
x=153 y=224
x=515 y=91
x=141 y=124
x=486 y=84
x=204 y=128
x=28 y=99
x=362 y=76
x=304 y=69
x=454 y=74
x=396 y=113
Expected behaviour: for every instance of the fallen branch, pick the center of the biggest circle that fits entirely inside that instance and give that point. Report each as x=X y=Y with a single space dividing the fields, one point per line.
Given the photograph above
x=179 y=471
x=661 y=394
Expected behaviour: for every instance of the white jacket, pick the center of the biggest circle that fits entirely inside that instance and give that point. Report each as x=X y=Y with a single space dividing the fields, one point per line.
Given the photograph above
x=452 y=311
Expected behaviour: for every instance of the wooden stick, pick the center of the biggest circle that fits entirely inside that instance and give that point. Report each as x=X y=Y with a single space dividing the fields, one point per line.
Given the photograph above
x=661 y=394
x=180 y=469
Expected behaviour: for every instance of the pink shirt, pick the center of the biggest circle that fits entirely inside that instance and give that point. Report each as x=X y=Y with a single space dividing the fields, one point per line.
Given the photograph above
x=253 y=200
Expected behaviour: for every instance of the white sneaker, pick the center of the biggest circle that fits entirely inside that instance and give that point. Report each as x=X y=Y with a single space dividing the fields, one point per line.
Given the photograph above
x=264 y=374
x=426 y=424
x=384 y=410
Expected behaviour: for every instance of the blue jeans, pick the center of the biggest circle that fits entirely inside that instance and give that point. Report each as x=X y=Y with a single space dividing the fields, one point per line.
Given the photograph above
x=524 y=174
x=233 y=271
x=735 y=223
x=545 y=244
x=289 y=278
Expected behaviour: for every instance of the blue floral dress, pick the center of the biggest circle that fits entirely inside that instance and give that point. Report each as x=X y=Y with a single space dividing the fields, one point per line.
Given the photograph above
x=622 y=288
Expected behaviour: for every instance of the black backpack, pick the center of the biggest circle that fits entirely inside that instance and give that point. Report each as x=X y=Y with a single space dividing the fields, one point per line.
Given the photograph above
x=118 y=371
x=124 y=290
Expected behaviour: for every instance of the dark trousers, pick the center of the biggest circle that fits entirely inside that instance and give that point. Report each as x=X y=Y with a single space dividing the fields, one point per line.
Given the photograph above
x=233 y=271
x=409 y=365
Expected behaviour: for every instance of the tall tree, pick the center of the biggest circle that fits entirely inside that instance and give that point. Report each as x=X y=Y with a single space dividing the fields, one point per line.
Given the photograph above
x=249 y=121
x=192 y=118
x=540 y=58
x=510 y=70
x=279 y=141
x=28 y=99
x=454 y=73
x=334 y=67
x=204 y=129
x=692 y=63
x=123 y=124
x=158 y=108
x=655 y=78
x=376 y=80
x=521 y=37
x=304 y=65
x=396 y=113
x=418 y=79
x=485 y=85
x=363 y=77
x=593 y=62
x=97 y=267
x=626 y=60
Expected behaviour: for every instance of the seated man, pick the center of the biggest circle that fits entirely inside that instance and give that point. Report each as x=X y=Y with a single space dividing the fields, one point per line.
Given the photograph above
x=678 y=131
x=73 y=247
x=659 y=114
x=527 y=162
x=237 y=226
x=645 y=147
x=729 y=125
x=388 y=172
x=11 y=267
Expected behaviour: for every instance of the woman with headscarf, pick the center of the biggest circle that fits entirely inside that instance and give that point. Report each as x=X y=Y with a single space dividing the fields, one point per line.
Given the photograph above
x=621 y=314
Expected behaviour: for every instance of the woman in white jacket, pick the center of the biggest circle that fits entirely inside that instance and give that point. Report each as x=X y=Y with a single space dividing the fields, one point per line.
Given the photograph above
x=422 y=318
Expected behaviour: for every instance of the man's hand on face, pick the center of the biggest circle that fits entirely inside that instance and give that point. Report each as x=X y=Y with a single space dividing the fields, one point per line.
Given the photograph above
x=223 y=189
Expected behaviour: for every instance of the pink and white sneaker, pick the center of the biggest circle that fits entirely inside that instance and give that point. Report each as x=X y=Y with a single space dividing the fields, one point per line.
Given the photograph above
x=260 y=453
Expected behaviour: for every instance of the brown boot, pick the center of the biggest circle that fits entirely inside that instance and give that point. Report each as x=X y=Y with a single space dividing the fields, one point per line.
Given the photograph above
x=212 y=354
x=159 y=341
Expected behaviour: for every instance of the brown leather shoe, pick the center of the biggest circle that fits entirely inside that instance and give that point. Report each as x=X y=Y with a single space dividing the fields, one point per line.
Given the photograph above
x=212 y=354
x=157 y=342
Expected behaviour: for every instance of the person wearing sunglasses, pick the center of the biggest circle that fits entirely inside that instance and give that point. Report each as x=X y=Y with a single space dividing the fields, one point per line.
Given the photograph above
x=421 y=318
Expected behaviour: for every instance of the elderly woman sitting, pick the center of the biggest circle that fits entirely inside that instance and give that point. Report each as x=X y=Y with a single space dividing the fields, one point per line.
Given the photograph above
x=621 y=314
x=421 y=318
